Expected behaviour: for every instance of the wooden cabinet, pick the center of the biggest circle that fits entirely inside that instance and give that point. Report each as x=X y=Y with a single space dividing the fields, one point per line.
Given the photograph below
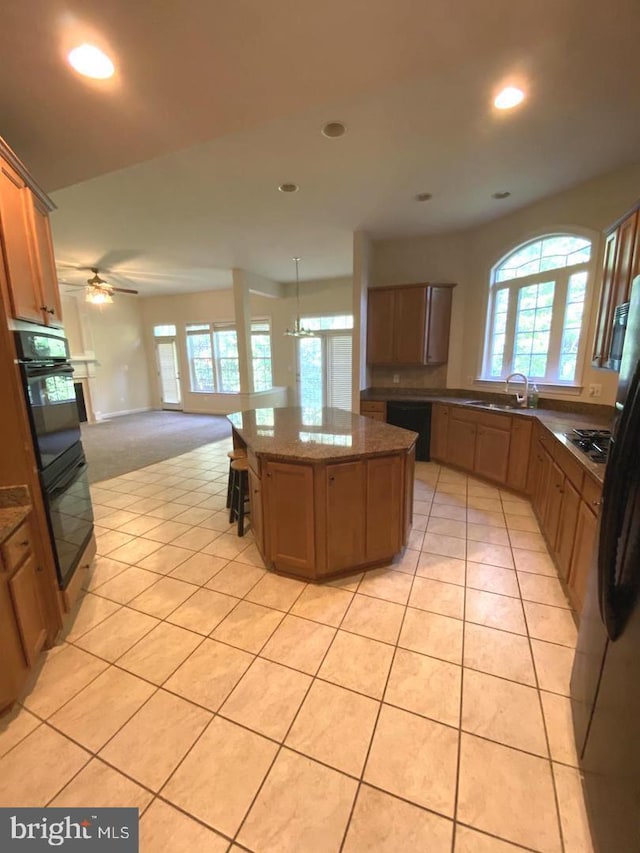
x=583 y=557
x=492 y=448
x=289 y=516
x=23 y=627
x=346 y=491
x=374 y=409
x=519 y=451
x=461 y=440
x=385 y=507
x=323 y=519
x=439 y=431
x=32 y=283
x=409 y=325
x=255 y=498
x=621 y=263
x=551 y=517
x=565 y=535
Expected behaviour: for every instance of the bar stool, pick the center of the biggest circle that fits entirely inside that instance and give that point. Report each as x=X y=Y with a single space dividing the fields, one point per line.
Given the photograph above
x=239 y=453
x=239 y=492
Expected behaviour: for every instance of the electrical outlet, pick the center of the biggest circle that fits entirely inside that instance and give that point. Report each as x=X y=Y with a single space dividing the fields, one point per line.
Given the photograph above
x=396 y=378
x=595 y=390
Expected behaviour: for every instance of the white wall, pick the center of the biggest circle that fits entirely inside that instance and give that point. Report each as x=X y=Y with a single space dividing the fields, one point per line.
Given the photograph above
x=113 y=334
x=467 y=258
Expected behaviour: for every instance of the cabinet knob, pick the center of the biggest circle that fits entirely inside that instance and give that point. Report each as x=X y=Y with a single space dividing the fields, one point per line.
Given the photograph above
x=332 y=478
x=24 y=543
x=596 y=503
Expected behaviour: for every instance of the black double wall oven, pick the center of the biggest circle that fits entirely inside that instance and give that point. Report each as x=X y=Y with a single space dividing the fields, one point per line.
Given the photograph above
x=47 y=380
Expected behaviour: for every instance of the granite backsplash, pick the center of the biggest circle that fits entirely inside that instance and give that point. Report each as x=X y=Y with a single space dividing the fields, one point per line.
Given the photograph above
x=410 y=377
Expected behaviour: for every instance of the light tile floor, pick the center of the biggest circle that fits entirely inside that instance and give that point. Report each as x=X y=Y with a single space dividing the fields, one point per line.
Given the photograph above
x=422 y=706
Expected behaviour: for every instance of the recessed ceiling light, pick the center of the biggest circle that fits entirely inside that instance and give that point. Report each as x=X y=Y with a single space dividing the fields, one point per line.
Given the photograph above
x=90 y=61
x=334 y=130
x=423 y=196
x=501 y=194
x=508 y=98
x=288 y=188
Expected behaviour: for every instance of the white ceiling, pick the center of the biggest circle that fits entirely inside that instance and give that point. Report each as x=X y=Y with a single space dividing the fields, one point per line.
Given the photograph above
x=168 y=175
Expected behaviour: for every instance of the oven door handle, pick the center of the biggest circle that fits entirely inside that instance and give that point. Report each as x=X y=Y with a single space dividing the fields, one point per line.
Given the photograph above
x=46 y=369
x=62 y=484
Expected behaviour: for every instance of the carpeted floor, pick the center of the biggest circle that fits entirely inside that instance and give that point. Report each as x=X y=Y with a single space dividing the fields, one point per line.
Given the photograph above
x=124 y=444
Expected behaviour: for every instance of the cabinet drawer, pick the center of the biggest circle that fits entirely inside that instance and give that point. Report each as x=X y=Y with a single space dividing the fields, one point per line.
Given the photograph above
x=368 y=407
x=16 y=547
x=571 y=467
x=375 y=416
x=496 y=421
x=591 y=493
x=460 y=414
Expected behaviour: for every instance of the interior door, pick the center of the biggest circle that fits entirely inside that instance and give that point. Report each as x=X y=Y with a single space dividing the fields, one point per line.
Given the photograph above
x=168 y=373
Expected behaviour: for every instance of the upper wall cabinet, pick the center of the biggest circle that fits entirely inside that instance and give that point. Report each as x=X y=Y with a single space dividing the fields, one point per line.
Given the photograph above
x=621 y=265
x=409 y=325
x=28 y=250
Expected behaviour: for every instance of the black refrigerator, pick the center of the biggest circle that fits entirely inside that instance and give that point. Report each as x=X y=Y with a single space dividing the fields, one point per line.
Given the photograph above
x=605 y=681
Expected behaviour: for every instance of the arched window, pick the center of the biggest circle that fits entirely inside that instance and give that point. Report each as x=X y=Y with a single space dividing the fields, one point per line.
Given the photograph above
x=536 y=310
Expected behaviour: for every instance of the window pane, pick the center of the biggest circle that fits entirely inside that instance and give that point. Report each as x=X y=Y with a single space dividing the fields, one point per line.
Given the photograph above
x=164 y=331
x=338 y=321
x=198 y=327
x=567 y=367
x=528 y=298
x=543 y=319
x=549 y=253
x=538 y=367
x=311 y=385
x=498 y=343
x=540 y=342
x=496 y=365
x=200 y=357
x=577 y=287
x=526 y=321
x=229 y=375
x=521 y=364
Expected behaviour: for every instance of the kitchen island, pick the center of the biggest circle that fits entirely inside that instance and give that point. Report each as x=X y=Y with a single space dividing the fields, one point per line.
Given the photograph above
x=331 y=492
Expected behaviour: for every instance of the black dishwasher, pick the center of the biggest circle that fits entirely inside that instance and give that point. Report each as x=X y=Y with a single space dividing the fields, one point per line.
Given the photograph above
x=415 y=416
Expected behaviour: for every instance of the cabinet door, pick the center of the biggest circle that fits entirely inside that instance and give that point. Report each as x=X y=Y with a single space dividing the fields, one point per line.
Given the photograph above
x=255 y=496
x=602 y=341
x=409 y=327
x=492 y=453
x=289 y=517
x=15 y=204
x=438 y=324
x=346 y=496
x=519 y=452
x=461 y=443
x=567 y=527
x=14 y=666
x=46 y=268
x=582 y=558
x=409 y=485
x=380 y=326
x=635 y=262
x=541 y=482
x=25 y=596
x=624 y=259
x=384 y=507
x=553 y=504
x=439 y=430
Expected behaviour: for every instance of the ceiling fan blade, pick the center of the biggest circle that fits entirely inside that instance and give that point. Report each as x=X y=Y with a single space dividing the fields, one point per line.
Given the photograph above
x=123 y=289
x=115 y=257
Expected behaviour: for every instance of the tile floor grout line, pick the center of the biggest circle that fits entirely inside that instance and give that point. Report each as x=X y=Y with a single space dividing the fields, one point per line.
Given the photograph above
x=460 y=706
x=216 y=714
x=281 y=745
x=381 y=703
x=547 y=738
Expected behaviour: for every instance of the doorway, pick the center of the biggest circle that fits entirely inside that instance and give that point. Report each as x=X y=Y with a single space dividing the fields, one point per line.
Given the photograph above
x=324 y=370
x=168 y=373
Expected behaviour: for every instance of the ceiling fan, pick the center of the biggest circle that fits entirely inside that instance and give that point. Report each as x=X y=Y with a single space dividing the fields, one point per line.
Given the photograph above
x=97 y=290
x=100 y=292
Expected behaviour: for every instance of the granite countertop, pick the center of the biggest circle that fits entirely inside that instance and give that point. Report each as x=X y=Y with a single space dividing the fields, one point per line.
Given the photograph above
x=557 y=421
x=15 y=506
x=318 y=435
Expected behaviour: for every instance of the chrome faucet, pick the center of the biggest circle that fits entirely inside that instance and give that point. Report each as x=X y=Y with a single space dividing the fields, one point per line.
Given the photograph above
x=521 y=399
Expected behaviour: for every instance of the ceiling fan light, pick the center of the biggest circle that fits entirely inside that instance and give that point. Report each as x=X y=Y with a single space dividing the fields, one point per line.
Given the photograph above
x=98 y=296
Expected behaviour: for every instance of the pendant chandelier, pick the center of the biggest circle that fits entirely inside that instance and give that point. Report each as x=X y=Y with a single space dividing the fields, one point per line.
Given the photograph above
x=298 y=330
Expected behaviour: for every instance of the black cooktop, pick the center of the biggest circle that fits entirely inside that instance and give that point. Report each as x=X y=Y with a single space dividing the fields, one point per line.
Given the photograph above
x=593 y=442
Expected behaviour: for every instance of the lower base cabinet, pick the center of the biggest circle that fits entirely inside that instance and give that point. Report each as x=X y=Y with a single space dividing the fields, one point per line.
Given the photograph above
x=583 y=554
x=23 y=628
x=325 y=519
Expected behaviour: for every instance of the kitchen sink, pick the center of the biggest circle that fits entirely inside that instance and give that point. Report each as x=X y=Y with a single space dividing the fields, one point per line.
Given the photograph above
x=502 y=407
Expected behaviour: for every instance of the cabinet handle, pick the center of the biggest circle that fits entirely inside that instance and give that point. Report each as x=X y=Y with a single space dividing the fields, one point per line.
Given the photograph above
x=596 y=503
x=47 y=310
x=24 y=543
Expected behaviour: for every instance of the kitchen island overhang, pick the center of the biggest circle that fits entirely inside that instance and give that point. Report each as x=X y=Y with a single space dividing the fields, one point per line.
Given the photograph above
x=331 y=492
